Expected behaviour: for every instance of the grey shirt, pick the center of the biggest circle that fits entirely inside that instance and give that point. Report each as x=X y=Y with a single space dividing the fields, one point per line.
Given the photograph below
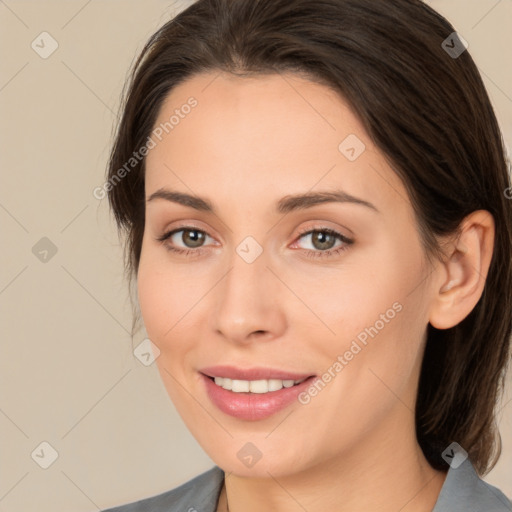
x=463 y=491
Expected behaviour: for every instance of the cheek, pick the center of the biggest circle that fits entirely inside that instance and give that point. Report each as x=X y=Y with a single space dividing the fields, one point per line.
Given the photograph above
x=161 y=287
x=161 y=308
x=378 y=311
x=160 y=304
x=375 y=295
x=169 y=298
x=153 y=301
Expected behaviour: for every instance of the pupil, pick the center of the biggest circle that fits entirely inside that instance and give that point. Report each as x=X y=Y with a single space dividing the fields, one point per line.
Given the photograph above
x=324 y=239
x=195 y=238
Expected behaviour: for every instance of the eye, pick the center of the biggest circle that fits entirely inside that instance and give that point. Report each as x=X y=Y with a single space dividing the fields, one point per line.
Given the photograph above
x=192 y=239
x=323 y=242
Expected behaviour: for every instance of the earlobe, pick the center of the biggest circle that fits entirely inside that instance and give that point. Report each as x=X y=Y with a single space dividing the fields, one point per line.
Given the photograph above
x=463 y=272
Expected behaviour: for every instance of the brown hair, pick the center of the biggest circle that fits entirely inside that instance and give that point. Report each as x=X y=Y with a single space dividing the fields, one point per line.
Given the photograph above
x=428 y=112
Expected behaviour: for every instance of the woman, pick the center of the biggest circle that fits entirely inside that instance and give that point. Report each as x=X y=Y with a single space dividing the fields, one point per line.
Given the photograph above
x=314 y=201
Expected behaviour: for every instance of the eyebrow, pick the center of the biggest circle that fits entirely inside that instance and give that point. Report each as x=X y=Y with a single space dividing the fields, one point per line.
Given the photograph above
x=285 y=205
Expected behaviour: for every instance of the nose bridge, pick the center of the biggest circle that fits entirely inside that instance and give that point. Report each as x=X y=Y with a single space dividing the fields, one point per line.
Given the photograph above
x=247 y=299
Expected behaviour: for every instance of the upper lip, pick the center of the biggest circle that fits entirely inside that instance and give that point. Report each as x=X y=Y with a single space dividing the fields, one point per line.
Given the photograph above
x=257 y=373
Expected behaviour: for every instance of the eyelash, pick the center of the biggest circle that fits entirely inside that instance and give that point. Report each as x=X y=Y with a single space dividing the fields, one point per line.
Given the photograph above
x=329 y=253
x=309 y=253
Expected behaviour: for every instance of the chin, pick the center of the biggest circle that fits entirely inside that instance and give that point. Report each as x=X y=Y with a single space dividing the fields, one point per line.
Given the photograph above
x=250 y=461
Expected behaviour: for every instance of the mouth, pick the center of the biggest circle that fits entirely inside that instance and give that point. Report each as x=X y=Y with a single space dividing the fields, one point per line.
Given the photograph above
x=253 y=394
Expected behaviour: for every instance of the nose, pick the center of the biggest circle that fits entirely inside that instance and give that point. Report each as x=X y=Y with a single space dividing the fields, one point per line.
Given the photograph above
x=249 y=303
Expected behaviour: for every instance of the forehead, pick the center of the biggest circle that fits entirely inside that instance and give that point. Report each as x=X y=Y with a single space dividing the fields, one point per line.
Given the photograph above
x=279 y=109
x=264 y=136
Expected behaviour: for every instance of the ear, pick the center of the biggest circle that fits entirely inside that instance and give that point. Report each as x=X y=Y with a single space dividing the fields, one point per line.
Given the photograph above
x=461 y=275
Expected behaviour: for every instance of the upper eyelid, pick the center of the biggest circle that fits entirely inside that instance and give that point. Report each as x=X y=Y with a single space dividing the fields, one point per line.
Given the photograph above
x=328 y=229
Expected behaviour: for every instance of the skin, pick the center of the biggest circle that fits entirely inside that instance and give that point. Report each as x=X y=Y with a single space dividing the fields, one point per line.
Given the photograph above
x=247 y=144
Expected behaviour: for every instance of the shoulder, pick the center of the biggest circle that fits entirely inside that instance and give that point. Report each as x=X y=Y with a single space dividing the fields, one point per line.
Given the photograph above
x=197 y=495
x=465 y=491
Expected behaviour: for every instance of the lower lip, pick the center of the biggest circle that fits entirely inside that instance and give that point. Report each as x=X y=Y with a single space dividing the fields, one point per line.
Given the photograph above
x=253 y=406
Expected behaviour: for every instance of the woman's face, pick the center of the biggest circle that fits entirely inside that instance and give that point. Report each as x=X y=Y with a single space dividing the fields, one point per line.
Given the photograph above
x=302 y=260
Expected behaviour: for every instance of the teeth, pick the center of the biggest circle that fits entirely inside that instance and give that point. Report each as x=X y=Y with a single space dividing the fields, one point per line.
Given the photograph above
x=254 y=386
x=275 y=384
x=257 y=386
x=240 y=386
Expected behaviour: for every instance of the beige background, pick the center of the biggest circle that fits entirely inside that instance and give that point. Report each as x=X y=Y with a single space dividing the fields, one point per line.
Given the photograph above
x=69 y=376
